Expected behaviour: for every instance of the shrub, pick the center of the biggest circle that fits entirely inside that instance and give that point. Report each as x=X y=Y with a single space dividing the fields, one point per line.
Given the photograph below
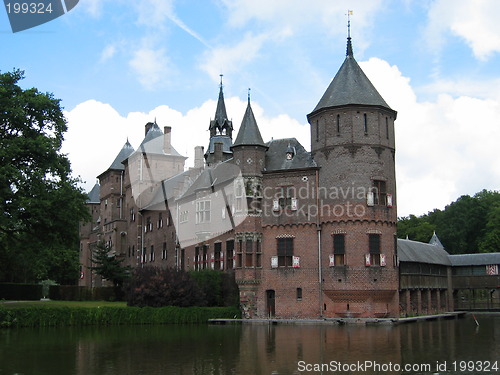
x=20 y=292
x=219 y=288
x=156 y=287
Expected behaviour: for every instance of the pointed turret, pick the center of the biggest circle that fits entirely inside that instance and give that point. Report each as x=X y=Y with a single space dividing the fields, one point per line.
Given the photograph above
x=435 y=240
x=350 y=86
x=124 y=153
x=221 y=134
x=249 y=133
x=220 y=125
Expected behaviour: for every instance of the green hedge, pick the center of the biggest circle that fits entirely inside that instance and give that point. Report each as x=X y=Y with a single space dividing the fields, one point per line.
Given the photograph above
x=82 y=293
x=44 y=316
x=20 y=292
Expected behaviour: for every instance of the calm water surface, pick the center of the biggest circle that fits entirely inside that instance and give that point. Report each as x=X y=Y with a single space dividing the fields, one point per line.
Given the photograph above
x=459 y=345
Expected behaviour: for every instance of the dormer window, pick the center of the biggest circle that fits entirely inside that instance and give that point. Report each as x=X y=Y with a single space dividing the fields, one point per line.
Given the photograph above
x=290 y=152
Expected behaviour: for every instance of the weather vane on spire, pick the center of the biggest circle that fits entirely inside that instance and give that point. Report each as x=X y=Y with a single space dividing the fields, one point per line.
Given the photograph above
x=349 y=45
x=349 y=14
x=221 y=75
x=249 y=95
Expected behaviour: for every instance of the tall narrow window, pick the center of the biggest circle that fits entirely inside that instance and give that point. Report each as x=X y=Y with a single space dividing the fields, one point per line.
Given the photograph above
x=248 y=253
x=317 y=131
x=164 y=251
x=197 y=258
x=229 y=254
x=217 y=255
x=299 y=294
x=339 y=249
x=365 y=123
x=285 y=200
x=152 y=254
x=379 y=193
x=239 y=254
x=338 y=124
x=285 y=252
x=387 y=128
x=205 y=256
x=374 y=247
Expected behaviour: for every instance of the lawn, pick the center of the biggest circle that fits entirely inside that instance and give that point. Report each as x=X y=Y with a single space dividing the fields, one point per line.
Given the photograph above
x=89 y=304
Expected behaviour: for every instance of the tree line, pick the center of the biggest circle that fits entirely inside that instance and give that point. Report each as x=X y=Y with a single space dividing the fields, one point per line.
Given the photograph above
x=468 y=225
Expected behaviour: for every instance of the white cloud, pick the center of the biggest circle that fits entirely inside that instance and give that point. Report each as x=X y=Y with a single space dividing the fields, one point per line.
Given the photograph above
x=444 y=148
x=476 y=21
x=234 y=58
x=107 y=53
x=151 y=65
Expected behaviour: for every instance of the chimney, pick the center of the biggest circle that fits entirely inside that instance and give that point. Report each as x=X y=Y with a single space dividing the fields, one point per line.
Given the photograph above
x=148 y=127
x=198 y=157
x=217 y=152
x=167 y=140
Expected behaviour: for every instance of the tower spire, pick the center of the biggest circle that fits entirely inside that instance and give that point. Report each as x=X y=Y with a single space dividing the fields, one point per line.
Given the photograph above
x=349 y=52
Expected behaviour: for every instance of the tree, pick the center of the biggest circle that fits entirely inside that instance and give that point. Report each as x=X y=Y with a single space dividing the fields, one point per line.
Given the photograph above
x=40 y=202
x=108 y=265
x=468 y=225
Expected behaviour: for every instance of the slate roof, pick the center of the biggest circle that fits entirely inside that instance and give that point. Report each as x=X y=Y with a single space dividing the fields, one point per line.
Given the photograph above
x=276 y=155
x=220 y=113
x=479 y=259
x=226 y=144
x=435 y=240
x=153 y=142
x=94 y=194
x=419 y=252
x=212 y=177
x=124 y=153
x=350 y=86
x=249 y=133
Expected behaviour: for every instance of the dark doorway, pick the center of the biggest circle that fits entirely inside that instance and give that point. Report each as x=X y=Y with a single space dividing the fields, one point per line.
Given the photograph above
x=270 y=302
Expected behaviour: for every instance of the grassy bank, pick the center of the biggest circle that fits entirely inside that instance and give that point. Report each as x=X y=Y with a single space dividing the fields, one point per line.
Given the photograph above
x=63 y=313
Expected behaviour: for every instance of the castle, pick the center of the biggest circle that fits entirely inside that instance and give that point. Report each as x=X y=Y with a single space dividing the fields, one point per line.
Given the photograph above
x=306 y=234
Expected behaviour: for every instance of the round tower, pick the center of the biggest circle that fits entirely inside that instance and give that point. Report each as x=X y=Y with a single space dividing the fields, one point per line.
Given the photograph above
x=352 y=141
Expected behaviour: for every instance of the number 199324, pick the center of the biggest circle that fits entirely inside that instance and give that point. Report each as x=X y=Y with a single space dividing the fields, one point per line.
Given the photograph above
x=34 y=8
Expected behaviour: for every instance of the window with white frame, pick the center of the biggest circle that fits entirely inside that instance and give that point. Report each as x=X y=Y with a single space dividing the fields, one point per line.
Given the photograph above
x=202 y=212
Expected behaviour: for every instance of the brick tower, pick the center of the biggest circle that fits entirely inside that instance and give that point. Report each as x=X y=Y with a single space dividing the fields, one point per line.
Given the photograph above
x=249 y=153
x=352 y=140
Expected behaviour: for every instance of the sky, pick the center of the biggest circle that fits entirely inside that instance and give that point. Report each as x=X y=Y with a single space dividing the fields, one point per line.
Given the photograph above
x=117 y=64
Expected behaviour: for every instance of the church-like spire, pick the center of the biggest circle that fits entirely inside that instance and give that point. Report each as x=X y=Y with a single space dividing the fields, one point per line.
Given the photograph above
x=349 y=52
x=249 y=133
x=220 y=124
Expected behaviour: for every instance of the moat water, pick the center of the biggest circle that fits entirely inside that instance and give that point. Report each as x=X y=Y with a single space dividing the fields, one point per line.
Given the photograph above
x=429 y=347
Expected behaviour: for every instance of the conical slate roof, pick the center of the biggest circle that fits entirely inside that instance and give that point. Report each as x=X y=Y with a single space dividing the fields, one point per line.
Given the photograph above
x=249 y=133
x=94 y=194
x=435 y=240
x=220 y=112
x=350 y=86
x=124 y=153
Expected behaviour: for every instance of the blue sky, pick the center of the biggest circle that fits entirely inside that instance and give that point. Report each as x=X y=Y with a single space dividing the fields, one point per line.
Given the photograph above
x=117 y=64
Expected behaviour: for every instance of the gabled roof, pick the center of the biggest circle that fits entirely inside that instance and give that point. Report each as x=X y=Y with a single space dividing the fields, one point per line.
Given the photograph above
x=276 y=155
x=94 y=194
x=350 y=86
x=249 y=133
x=478 y=259
x=124 y=153
x=419 y=252
x=153 y=142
